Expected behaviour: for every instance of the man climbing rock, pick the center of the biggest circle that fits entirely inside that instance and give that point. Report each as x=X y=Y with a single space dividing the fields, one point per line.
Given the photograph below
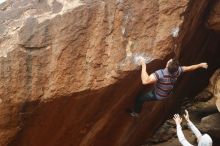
x=163 y=80
x=203 y=140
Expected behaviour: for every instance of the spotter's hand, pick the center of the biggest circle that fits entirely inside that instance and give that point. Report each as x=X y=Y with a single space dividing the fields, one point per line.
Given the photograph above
x=186 y=115
x=177 y=119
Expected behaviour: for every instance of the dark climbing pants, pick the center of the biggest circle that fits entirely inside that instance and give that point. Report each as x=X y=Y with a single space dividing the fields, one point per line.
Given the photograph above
x=141 y=98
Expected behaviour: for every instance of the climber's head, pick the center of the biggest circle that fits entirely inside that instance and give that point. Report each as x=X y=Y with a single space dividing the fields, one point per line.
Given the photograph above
x=172 y=65
x=205 y=140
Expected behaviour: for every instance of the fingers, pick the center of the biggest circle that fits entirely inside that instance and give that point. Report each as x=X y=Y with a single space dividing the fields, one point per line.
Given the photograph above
x=187 y=113
x=142 y=60
x=176 y=116
x=169 y=61
x=205 y=65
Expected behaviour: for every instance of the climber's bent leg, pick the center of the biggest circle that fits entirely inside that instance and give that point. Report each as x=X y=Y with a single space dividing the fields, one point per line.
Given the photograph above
x=149 y=96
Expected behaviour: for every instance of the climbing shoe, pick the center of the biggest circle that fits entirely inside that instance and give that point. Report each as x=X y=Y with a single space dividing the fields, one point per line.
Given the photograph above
x=133 y=114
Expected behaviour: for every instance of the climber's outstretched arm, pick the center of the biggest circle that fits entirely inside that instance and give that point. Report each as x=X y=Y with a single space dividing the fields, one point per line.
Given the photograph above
x=194 y=67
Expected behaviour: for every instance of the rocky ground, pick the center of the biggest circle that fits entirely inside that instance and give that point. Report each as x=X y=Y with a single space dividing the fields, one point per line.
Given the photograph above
x=166 y=135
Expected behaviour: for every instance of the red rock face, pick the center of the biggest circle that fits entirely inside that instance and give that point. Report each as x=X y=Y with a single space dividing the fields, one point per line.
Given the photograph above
x=67 y=76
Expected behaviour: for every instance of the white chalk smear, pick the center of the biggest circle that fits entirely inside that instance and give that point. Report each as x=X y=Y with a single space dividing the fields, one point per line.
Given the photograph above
x=2 y=1
x=175 y=31
x=136 y=58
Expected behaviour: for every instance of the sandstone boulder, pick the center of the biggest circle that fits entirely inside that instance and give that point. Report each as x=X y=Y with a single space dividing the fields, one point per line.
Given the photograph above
x=214 y=87
x=214 y=17
x=211 y=125
x=57 y=49
x=66 y=68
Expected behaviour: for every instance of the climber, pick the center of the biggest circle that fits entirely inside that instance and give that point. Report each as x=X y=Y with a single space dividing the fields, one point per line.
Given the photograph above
x=203 y=140
x=163 y=81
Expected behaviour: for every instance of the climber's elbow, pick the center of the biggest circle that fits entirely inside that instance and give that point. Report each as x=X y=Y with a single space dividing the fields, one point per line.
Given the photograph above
x=144 y=81
x=150 y=80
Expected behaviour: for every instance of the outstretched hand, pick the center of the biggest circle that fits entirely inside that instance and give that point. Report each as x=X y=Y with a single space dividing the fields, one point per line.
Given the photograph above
x=142 y=60
x=177 y=119
x=204 y=65
x=186 y=116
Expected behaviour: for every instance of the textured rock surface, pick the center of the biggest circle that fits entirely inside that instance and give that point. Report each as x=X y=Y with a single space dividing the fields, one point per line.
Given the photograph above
x=80 y=53
x=214 y=87
x=211 y=91
x=66 y=68
x=211 y=124
x=214 y=17
x=75 y=51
